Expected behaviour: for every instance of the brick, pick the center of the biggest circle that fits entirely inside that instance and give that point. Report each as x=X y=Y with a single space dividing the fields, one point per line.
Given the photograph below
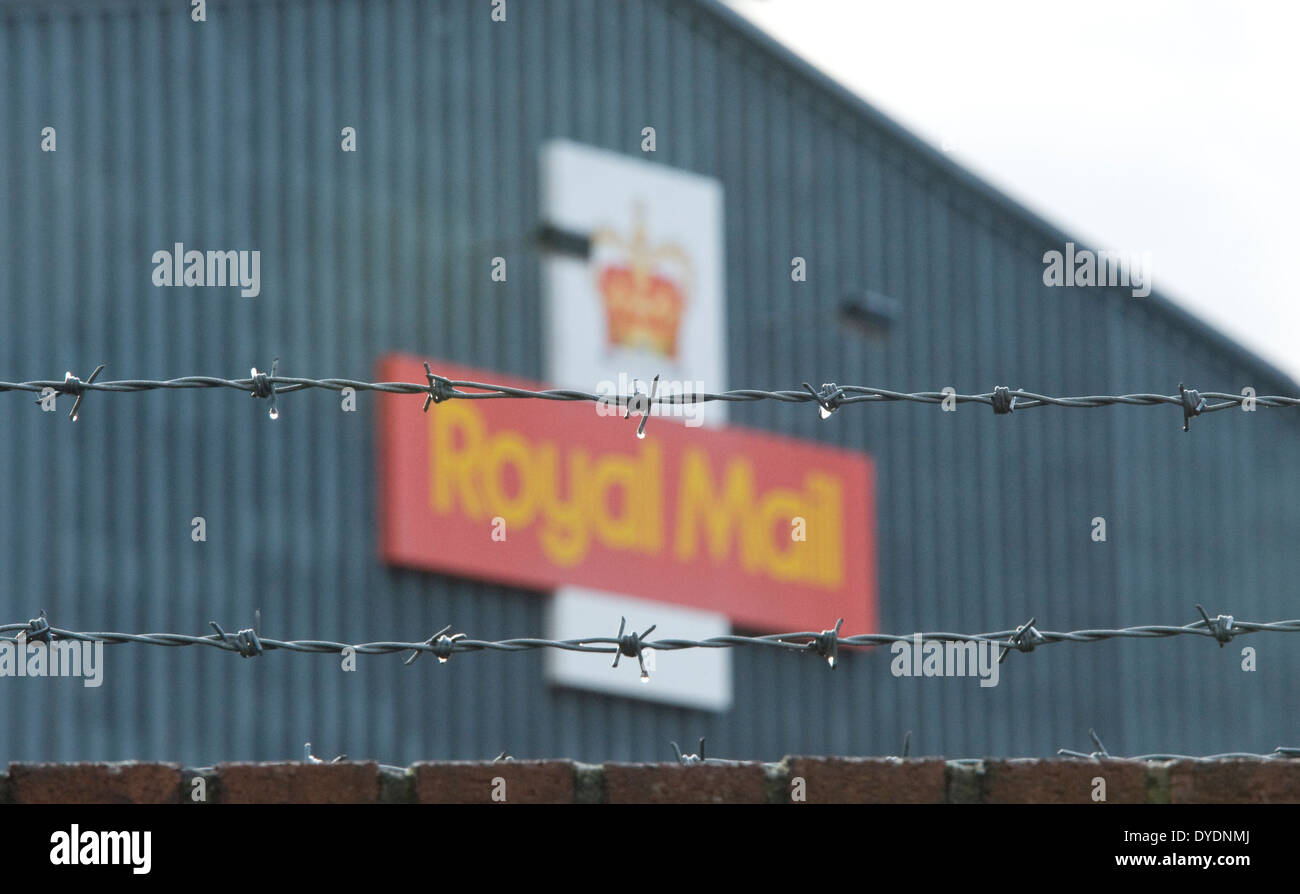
x=396 y=785
x=347 y=782
x=741 y=783
x=867 y=780
x=825 y=780
x=1063 y=781
x=1235 y=782
x=122 y=783
x=965 y=781
x=208 y=790
x=588 y=783
x=471 y=782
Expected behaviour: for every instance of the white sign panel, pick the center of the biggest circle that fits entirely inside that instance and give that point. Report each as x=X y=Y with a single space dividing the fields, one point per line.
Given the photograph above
x=650 y=299
x=694 y=678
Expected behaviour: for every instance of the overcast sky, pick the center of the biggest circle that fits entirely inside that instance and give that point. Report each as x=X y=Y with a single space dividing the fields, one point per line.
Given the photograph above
x=1134 y=125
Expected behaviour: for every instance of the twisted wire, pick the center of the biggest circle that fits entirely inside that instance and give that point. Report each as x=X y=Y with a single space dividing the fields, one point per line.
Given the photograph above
x=830 y=397
x=1023 y=638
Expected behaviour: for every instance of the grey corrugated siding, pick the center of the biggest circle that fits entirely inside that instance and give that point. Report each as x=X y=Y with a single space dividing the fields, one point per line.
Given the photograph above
x=225 y=134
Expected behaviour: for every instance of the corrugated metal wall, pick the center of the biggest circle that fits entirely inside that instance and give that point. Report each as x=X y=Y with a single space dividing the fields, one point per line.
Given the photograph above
x=225 y=134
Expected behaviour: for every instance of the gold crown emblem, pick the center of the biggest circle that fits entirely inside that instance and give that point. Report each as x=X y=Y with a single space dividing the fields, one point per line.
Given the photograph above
x=645 y=289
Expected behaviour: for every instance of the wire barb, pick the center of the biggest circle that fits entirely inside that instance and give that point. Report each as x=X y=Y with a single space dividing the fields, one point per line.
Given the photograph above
x=687 y=759
x=263 y=386
x=440 y=389
x=1193 y=404
x=440 y=645
x=38 y=628
x=828 y=399
x=74 y=386
x=313 y=759
x=1221 y=626
x=1003 y=401
x=631 y=646
x=827 y=644
x=642 y=404
x=245 y=642
x=1101 y=751
x=1024 y=639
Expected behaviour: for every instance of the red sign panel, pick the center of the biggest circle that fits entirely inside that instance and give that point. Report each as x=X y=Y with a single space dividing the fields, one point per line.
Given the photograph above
x=777 y=534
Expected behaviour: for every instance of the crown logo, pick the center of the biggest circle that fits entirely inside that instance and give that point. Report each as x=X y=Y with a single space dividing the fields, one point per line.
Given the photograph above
x=644 y=288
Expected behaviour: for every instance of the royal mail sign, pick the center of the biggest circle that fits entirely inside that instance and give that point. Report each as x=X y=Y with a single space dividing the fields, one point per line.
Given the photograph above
x=774 y=533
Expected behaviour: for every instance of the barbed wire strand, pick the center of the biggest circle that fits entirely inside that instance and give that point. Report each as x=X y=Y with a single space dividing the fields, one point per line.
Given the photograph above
x=1102 y=754
x=826 y=643
x=829 y=397
x=698 y=757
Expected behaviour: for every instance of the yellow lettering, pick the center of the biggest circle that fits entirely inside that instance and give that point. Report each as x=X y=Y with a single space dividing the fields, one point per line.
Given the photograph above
x=450 y=467
x=829 y=519
x=509 y=449
x=564 y=538
x=637 y=479
x=778 y=507
x=469 y=473
x=724 y=517
x=615 y=473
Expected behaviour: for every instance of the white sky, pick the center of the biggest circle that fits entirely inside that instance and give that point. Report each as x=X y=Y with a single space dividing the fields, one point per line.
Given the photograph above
x=1134 y=125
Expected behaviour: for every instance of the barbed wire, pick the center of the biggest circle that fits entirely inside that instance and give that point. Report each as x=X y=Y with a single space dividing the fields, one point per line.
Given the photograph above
x=1102 y=753
x=699 y=757
x=829 y=397
x=826 y=643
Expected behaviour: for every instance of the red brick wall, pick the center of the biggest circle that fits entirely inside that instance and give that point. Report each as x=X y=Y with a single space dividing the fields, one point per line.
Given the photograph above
x=810 y=780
